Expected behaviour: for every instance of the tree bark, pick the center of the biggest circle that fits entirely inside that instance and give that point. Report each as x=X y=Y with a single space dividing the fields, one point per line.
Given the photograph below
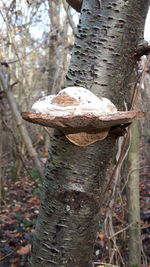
x=134 y=199
x=57 y=47
x=69 y=209
x=19 y=122
x=102 y=61
x=1 y=158
x=23 y=132
x=54 y=39
x=146 y=123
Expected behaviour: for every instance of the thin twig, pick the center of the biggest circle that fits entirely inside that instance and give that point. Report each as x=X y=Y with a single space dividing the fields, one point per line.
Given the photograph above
x=122 y=230
x=130 y=172
x=7 y=255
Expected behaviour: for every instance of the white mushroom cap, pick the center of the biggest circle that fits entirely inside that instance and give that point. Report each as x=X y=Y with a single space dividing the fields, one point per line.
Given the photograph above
x=80 y=115
x=73 y=100
x=41 y=105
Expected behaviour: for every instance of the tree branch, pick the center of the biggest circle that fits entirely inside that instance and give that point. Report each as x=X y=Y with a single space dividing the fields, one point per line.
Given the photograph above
x=69 y=16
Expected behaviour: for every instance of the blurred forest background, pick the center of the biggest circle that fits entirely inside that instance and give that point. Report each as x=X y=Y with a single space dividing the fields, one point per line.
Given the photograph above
x=35 y=44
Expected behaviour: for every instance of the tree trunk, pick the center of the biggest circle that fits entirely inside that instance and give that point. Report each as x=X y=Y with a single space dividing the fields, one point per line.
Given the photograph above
x=1 y=159
x=102 y=61
x=23 y=131
x=57 y=54
x=146 y=123
x=57 y=47
x=133 y=199
x=54 y=39
x=19 y=122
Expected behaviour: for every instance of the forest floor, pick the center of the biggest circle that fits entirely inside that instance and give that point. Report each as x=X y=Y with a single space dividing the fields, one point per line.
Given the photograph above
x=20 y=210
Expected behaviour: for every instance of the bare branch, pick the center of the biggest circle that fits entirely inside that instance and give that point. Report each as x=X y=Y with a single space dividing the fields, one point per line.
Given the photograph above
x=69 y=16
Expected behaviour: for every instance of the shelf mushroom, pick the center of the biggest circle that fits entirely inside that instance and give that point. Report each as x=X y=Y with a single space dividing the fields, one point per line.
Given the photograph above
x=80 y=115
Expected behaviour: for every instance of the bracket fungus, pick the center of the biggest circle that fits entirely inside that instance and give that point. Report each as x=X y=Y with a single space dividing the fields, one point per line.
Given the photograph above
x=80 y=115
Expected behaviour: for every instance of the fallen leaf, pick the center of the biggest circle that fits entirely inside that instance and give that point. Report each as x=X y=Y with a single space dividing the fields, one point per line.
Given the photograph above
x=101 y=235
x=24 y=250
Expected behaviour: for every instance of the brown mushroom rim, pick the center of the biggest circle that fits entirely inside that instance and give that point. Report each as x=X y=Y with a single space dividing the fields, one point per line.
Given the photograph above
x=87 y=122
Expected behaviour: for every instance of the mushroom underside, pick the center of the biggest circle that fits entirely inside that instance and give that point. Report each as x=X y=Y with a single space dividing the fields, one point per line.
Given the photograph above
x=83 y=130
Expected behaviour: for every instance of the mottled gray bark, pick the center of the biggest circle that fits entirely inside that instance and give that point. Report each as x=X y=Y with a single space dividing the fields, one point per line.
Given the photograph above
x=134 y=199
x=102 y=61
x=70 y=205
x=103 y=54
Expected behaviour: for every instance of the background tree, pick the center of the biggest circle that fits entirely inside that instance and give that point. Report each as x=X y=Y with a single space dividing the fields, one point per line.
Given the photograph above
x=26 y=56
x=17 y=61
